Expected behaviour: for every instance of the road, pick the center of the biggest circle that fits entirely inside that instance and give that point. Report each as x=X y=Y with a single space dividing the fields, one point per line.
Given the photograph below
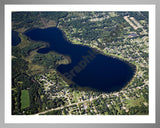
x=67 y=105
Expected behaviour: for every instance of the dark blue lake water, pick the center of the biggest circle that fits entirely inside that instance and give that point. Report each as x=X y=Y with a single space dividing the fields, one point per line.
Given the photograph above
x=15 y=38
x=88 y=67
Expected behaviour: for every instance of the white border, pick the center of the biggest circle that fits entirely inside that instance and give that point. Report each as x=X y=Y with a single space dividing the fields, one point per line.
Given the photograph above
x=79 y=119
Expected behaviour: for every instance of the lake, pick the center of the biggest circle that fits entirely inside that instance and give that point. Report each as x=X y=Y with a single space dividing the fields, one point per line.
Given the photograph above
x=88 y=68
x=15 y=38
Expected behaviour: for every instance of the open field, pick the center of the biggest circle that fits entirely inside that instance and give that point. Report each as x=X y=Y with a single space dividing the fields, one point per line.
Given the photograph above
x=25 y=102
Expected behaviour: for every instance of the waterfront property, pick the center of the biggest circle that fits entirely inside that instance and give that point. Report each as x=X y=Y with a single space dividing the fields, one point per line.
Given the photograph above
x=103 y=73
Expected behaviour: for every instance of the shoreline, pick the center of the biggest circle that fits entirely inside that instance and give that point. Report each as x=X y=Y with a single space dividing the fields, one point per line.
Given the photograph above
x=133 y=66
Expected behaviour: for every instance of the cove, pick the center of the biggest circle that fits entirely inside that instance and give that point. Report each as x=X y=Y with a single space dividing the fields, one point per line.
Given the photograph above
x=15 y=38
x=88 y=68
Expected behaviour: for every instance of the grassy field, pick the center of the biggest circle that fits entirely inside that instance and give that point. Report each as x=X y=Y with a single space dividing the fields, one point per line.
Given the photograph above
x=135 y=102
x=25 y=102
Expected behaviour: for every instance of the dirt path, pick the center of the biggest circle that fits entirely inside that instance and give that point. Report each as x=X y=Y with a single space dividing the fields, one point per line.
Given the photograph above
x=136 y=22
x=126 y=18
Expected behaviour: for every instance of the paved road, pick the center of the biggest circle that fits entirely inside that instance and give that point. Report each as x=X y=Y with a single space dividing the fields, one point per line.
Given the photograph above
x=66 y=106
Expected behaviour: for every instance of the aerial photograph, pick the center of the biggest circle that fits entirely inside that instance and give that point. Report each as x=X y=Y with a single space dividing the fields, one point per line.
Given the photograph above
x=80 y=63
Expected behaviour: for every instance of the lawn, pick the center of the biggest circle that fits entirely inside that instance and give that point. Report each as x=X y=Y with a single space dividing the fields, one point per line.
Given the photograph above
x=76 y=96
x=25 y=102
x=135 y=102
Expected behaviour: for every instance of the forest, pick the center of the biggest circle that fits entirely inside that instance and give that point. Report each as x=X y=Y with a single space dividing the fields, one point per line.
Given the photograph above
x=30 y=19
x=24 y=85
